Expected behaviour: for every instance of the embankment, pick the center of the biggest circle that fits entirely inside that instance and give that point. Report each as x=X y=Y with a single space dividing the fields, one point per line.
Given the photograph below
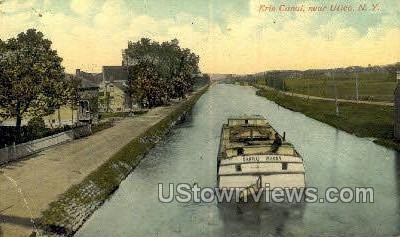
x=66 y=215
x=363 y=120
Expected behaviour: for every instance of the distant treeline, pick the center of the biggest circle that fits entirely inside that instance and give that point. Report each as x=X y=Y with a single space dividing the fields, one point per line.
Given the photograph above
x=388 y=70
x=276 y=78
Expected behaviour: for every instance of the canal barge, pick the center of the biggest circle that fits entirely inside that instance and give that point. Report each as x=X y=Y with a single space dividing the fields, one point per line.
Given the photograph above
x=253 y=154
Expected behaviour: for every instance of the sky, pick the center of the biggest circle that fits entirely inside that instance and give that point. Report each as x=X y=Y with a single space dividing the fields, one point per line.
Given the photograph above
x=230 y=36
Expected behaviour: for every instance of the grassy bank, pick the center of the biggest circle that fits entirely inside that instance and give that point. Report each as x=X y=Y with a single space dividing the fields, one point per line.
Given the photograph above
x=70 y=211
x=372 y=86
x=360 y=119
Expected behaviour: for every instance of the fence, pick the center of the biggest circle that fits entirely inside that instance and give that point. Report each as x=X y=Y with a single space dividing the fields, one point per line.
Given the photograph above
x=19 y=151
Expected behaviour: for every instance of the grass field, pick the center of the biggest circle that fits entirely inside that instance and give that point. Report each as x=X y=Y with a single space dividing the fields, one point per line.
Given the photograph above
x=363 y=120
x=372 y=86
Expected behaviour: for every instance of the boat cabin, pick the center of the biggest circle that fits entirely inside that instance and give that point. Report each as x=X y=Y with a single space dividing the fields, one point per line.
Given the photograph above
x=252 y=152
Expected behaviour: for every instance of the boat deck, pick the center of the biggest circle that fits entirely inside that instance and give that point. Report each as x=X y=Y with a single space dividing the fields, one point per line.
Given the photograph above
x=251 y=150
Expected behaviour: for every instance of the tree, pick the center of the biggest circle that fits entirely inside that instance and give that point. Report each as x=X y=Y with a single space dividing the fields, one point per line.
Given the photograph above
x=145 y=85
x=30 y=77
x=163 y=68
x=144 y=51
x=72 y=93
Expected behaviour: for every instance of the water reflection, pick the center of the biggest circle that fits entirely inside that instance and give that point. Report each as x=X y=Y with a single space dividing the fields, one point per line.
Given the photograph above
x=261 y=219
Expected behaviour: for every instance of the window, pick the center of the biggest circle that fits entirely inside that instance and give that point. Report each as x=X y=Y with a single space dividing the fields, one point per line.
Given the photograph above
x=239 y=168
x=240 y=151
x=246 y=121
x=284 y=166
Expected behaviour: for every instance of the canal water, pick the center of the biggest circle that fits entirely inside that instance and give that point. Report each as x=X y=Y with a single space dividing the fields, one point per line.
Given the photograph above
x=188 y=155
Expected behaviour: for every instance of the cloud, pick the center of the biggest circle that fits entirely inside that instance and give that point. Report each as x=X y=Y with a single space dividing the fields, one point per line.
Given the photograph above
x=16 y=6
x=113 y=15
x=243 y=44
x=81 y=7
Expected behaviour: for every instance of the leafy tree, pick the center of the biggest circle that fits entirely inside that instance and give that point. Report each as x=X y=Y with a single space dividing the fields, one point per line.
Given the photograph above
x=146 y=87
x=144 y=51
x=158 y=72
x=30 y=77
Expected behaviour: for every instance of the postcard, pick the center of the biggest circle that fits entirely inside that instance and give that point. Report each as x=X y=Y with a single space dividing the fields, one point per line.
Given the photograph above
x=199 y=118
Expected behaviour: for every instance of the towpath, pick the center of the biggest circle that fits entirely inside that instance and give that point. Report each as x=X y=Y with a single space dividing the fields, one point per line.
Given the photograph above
x=28 y=186
x=330 y=99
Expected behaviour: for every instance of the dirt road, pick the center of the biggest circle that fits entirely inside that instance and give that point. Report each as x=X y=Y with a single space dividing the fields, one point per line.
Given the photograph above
x=28 y=186
x=330 y=99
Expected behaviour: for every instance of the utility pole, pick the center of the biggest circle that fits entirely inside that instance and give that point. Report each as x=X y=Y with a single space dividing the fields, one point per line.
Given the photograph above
x=357 y=86
x=336 y=99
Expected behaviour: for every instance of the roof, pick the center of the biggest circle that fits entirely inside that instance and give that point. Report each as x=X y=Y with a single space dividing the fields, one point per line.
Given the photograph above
x=114 y=73
x=87 y=84
x=98 y=78
x=121 y=84
x=255 y=137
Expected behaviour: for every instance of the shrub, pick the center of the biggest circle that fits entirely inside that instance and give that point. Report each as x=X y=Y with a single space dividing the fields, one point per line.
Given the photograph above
x=36 y=122
x=101 y=126
x=37 y=127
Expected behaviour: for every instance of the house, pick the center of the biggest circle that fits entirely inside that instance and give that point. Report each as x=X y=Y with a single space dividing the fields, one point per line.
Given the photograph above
x=113 y=96
x=113 y=90
x=114 y=73
x=88 y=93
x=111 y=85
x=397 y=108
